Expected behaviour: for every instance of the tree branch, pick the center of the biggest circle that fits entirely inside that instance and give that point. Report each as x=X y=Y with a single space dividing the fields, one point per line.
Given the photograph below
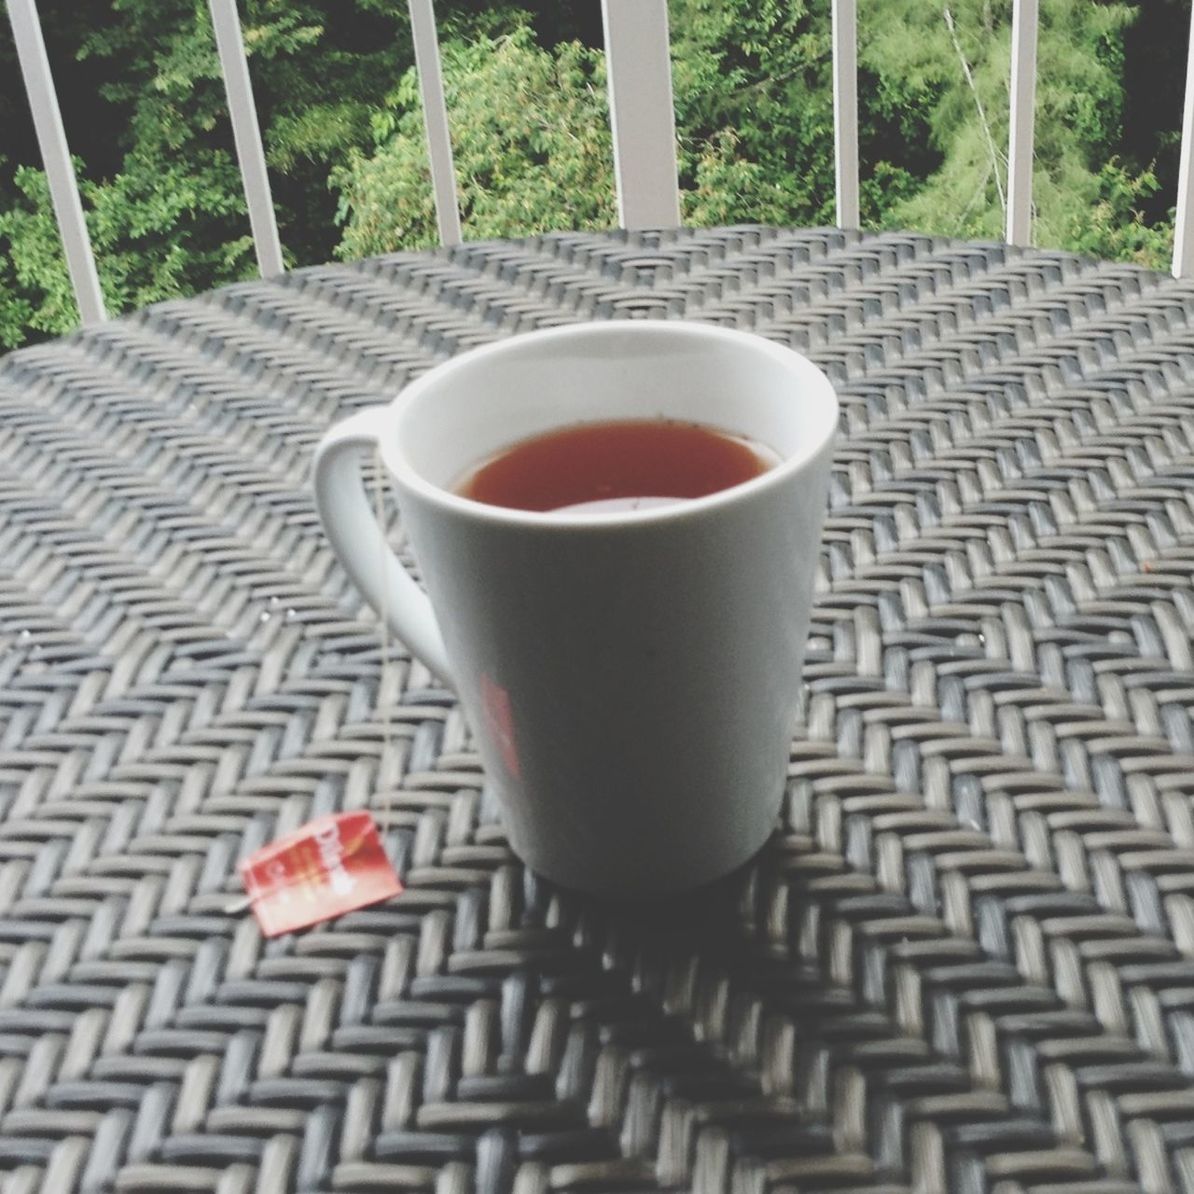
x=978 y=103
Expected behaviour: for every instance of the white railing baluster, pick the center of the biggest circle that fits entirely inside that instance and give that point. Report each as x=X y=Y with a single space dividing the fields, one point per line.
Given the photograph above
x=55 y=156
x=642 y=120
x=247 y=134
x=845 y=111
x=435 y=120
x=1020 y=140
x=1183 y=231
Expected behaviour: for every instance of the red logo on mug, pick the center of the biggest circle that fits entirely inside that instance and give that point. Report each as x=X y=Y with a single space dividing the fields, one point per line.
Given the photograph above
x=499 y=721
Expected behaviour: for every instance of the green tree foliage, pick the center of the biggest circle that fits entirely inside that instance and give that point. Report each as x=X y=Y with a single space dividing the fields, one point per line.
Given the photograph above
x=934 y=105
x=754 y=114
x=1084 y=197
x=318 y=68
x=740 y=73
x=145 y=110
x=154 y=233
x=755 y=124
x=160 y=184
x=531 y=147
x=531 y=141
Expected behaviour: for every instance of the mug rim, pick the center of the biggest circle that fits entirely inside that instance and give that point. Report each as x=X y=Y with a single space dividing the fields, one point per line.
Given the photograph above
x=403 y=470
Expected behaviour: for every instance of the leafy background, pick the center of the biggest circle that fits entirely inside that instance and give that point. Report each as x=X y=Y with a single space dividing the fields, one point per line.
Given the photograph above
x=143 y=106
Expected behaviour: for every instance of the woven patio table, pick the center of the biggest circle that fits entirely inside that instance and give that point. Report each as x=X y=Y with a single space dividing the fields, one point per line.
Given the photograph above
x=965 y=961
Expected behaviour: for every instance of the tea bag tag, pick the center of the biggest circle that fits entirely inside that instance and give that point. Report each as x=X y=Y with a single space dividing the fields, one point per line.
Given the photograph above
x=332 y=865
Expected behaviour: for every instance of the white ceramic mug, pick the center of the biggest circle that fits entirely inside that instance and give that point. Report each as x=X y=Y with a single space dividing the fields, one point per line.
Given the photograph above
x=632 y=678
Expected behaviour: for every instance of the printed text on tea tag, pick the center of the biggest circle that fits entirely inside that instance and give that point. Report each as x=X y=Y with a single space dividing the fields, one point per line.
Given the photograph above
x=330 y=866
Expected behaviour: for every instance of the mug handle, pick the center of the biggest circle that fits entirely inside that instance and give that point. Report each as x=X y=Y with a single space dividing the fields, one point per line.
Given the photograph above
x=360 y=542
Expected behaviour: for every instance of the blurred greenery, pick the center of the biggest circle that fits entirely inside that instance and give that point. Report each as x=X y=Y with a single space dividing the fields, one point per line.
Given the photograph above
x=530 y=144
x=144 y=109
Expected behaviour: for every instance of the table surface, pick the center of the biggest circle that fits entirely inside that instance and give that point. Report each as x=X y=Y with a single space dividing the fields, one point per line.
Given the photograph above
x=964 y=963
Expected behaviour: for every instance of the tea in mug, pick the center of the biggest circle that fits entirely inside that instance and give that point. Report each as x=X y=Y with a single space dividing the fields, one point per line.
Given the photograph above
x=616 y=466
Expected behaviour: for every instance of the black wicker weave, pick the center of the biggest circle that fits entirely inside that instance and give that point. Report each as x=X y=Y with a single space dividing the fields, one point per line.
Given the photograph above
x=964 y=963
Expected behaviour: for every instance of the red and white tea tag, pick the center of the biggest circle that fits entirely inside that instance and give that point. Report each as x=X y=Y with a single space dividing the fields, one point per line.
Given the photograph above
x=330 y=866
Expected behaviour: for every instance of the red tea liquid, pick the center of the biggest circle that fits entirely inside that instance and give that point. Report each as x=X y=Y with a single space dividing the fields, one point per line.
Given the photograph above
x=620 y=465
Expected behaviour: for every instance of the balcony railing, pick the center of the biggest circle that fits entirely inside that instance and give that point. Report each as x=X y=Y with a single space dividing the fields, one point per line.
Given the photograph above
x=642 y=123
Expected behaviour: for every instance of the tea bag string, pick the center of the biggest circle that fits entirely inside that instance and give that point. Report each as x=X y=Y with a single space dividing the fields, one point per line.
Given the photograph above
x=384 y=691
x=387 y=734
